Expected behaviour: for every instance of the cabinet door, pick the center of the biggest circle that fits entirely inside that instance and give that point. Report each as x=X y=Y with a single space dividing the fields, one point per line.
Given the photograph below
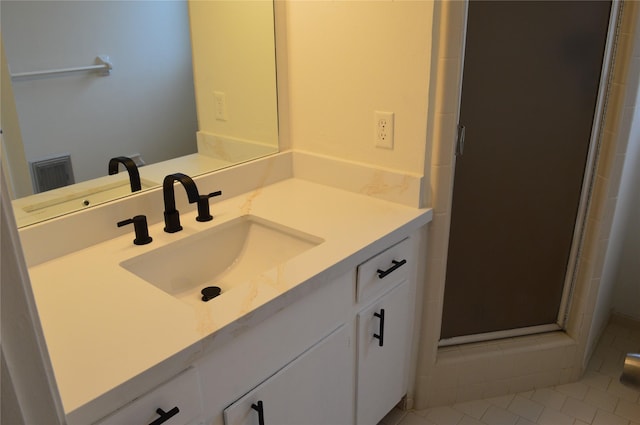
x=314 y=389
x=176 y=402
x=383 y=352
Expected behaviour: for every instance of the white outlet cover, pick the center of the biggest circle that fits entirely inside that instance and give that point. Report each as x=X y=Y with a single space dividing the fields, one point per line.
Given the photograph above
x=383 y=129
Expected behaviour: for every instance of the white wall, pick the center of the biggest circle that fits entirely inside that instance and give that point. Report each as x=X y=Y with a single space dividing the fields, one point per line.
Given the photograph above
x=626 y=298
x=146 y=106
x=618 y=178
x=348 y=59
x=626 y=294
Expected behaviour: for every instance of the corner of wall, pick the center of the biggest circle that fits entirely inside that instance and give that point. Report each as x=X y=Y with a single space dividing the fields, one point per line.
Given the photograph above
x=605 y=231
x=444 y=92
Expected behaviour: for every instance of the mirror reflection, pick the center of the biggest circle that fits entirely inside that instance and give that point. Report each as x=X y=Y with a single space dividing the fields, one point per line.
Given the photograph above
x=192 y=89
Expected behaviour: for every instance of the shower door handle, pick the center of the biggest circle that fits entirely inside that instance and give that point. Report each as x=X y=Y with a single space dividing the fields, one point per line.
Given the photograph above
x=460 y=140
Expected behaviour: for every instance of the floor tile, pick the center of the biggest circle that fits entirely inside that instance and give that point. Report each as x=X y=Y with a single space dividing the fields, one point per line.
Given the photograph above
x=526 y=408
x=579 y=422
x=523 y=421
x=475 y=408
x=468 y=420
x=554 y=417
x=622 y=391
x=444 y=415
x=502 y=401
x=413 y=419
x=612 y=367
x=606 y=418
x=526 y=394
x=576 y=389
x=626 y=345
x=596 y=380
x=498 y=416
x=549 y=398
x=628 y=410
x=579 y=409
x=601 y=399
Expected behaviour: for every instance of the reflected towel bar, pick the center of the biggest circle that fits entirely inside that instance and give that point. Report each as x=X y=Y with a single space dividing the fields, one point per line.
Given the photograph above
x=103 y=64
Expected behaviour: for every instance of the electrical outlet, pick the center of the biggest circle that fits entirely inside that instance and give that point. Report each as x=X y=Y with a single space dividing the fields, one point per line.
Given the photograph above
x=220 y=106
x=383 y=127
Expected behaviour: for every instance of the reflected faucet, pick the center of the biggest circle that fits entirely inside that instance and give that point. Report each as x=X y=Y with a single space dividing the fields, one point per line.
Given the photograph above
x=171 y=214
x=132 y=169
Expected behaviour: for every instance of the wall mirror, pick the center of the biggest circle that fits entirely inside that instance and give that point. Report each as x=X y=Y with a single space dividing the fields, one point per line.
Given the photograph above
x=192 y=89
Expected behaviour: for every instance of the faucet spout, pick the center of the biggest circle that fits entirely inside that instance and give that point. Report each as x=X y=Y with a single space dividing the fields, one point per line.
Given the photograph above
x=171 y=214
x=132 y=169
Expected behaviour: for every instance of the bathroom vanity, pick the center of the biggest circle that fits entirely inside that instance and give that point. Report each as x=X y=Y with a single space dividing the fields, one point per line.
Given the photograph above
x=314 y=323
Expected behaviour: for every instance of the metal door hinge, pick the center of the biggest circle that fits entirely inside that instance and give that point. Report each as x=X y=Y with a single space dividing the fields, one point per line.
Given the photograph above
x=460 y=140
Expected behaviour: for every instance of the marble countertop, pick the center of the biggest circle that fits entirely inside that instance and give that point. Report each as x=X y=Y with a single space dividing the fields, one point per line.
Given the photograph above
x=105 y=326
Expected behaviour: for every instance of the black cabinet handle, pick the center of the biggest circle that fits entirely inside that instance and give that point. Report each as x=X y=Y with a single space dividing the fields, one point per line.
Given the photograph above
x=165 y=416
x=260 y=409
x=380 y=335
x=396 y=265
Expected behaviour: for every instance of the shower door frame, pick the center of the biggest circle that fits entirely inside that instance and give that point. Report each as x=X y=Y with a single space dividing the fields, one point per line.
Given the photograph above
x=588 y=181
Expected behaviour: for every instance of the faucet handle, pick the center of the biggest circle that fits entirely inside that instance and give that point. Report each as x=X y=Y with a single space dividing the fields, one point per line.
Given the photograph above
x=140 y=226
x=203 y=206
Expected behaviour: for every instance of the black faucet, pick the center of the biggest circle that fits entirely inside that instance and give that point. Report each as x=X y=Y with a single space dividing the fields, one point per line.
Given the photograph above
x=171 y=215
x=141 y=228
x=132 y=169
x=203 y=206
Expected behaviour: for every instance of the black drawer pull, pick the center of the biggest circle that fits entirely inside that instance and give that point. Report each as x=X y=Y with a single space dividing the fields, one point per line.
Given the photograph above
x=165 y=416
x=396 y=265
x=380 y=335
x=260 y=409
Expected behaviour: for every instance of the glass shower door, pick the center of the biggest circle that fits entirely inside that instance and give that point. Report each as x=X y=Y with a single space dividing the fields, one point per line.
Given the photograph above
x=529 y=93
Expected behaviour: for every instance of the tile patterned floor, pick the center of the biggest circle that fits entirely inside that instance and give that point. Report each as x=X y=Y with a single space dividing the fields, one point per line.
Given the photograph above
x=597 y=399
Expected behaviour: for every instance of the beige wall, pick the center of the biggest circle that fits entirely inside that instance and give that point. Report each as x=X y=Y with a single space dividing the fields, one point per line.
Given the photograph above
x=13 y=158
x=348 y=59
x=233 y=53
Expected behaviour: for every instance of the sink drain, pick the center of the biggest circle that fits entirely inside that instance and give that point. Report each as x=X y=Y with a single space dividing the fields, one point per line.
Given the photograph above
x=210 y=292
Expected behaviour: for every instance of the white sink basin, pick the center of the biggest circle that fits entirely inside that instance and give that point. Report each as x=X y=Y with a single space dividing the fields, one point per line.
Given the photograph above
x=222 y=256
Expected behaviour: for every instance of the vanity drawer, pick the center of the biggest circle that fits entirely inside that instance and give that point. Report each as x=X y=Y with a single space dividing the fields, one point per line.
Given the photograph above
x=384 y=271
x=178 y=399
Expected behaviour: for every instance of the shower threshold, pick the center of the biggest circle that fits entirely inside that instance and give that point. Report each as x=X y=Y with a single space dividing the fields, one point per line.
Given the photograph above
x=491 y=336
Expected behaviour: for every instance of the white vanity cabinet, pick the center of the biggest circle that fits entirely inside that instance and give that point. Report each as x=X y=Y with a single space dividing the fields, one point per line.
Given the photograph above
x=319 y=360
x=299 y=362
x=383 y=349
x=384 y=324
x=337 y=353
x=298 y=336
x=315 y=388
